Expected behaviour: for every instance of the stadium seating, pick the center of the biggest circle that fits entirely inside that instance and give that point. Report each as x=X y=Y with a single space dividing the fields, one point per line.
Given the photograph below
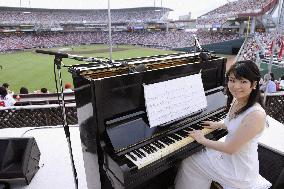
x=162 y=39
x=52 y=18
x=231 y=9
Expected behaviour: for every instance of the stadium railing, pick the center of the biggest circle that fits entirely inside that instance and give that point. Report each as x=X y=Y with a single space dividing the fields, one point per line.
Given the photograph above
x=41 y=99
x=37 y=115
x=274 y=105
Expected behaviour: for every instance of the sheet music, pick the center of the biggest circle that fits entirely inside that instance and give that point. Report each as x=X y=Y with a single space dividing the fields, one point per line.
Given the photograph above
x=173 y=99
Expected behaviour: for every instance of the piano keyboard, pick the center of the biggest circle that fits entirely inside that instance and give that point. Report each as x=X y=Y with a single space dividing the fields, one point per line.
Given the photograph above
x=166 y=145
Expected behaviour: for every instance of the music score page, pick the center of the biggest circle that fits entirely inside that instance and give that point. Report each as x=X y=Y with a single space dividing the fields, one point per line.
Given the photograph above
x=173 y=99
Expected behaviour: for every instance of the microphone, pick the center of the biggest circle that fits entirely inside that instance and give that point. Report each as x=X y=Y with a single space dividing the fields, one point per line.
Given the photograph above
x=62 y=55
x=140 y=68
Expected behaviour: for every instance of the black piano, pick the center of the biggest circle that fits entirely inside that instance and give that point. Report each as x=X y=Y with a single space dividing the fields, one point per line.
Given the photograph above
x=113 y=118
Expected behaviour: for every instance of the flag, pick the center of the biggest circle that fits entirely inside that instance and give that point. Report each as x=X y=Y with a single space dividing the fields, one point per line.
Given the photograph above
x=280 y=54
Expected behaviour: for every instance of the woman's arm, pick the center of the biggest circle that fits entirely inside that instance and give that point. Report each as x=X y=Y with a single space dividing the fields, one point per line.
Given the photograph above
x=252 y=125
x=214 y=125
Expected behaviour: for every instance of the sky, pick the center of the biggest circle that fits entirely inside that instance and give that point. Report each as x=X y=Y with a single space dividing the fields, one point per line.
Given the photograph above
x=180 y=7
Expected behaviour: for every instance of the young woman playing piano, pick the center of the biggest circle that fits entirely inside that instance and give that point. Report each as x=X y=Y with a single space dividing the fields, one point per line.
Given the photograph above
x=234 y=162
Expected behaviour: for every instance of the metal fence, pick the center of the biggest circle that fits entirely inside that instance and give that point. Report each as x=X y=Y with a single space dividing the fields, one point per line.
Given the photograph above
x=36 y=116
x=274 y=106
x=51 y=114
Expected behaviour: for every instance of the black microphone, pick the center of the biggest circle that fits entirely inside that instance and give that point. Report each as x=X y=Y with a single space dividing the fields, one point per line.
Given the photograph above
x=138 y=68
x=58 y=54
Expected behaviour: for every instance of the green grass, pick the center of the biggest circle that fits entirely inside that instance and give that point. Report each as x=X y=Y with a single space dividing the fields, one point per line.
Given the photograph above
x=35 y=71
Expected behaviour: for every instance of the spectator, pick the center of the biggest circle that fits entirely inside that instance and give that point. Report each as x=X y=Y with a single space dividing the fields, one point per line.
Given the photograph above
x=6 y=86
x=261 y=82
x=24 y=90
x=268 y=85
x=272 y=76
x=6 y=98
x=44 y=90
x=68 y=88
x=281 y=85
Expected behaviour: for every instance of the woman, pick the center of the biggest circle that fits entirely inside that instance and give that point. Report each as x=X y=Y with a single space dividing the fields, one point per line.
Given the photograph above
x=268 y=85
x=234 y=162
x=6 y=98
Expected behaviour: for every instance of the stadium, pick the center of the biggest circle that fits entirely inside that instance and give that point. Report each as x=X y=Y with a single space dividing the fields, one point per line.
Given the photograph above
x=239 y=30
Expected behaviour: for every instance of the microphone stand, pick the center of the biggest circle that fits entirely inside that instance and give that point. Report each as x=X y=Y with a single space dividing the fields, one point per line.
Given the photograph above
x=58 y=63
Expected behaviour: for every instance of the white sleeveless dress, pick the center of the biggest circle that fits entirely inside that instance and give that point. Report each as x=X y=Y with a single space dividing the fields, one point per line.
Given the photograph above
x=239 y=170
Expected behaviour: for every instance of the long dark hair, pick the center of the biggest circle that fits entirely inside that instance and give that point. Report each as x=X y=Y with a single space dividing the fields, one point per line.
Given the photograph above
x=3 y=92
x=247 y=70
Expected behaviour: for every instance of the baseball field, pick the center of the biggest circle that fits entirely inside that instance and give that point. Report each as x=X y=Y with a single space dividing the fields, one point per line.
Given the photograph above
x=35 y=71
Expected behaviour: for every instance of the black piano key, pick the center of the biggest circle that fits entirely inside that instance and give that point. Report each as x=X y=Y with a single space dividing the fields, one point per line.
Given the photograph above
x=196 y=126
x=171 y=141
x=137 y=153
x=165 y=141
x=160 y=144
x=176 y=137
x=157 y=145
x=188 y=129
x=199 y=125
x=133 y=157
x=171 y=138
x=182 y=133
x=146 y=150
x=152 y=148
x=215 y=118
x=141 y=153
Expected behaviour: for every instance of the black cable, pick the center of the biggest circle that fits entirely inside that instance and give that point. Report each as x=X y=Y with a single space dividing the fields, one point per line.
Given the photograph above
x=46 y=127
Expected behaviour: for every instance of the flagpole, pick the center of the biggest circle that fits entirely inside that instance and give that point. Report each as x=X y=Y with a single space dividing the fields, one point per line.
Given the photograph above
x=109 y=32
x=248 y=27
x=269 y=66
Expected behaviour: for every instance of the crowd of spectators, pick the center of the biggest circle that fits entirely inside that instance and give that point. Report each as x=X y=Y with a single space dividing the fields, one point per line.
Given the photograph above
x=53 y=18
x=170 y=39
x=270 y=84
x=261 y=43
x=231 y=9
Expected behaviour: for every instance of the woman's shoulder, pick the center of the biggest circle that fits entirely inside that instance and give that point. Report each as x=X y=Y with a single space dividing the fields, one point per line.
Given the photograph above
x=254 y=117
x=256 y=110
x=255 y=107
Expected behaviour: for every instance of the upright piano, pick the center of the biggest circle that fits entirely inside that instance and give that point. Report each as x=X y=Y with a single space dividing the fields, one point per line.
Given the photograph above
x=113 y=119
